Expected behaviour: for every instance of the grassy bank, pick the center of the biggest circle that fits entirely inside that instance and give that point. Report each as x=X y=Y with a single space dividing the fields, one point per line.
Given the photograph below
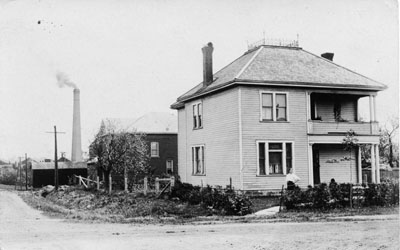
x=75 y=204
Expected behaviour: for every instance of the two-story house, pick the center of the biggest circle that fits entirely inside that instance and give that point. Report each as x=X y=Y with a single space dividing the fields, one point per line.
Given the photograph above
x=273 y=109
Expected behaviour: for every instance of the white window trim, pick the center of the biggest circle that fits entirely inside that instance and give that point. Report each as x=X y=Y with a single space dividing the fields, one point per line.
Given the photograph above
x=204 y=159
x=158 y=149
x=274 y=105
x=266 y=148
x=195 y=106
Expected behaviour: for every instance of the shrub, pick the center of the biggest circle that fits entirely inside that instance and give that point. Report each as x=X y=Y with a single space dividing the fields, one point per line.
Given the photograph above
x=225 y=202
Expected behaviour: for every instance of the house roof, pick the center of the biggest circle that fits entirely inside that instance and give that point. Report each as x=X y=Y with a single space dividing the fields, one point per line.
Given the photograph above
x=60 y=165
x=278 y=65
x=154 y=122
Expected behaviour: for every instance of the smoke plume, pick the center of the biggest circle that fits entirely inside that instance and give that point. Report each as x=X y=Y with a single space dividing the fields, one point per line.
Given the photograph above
x=63 y=81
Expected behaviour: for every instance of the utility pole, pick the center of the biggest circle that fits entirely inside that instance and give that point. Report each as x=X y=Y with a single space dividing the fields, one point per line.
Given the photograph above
x=26 y=172
x=55 y=157
x=20 y=173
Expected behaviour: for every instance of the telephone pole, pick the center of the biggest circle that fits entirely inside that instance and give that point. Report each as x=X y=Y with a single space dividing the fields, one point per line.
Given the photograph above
x=55 y=157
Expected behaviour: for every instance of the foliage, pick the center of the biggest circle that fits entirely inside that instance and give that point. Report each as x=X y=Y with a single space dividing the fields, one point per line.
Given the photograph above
x=8 y=178
x=388 y=146
x=119 y=151
x=323 y=197
x=225 y=202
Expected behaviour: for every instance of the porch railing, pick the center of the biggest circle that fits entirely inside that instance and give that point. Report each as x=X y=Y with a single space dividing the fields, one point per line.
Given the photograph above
x=362 y=128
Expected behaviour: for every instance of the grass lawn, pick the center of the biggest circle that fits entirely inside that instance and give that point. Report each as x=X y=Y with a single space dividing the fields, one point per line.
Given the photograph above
x=119 y=207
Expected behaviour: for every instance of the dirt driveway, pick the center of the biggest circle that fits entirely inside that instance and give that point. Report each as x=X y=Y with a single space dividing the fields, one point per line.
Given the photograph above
x=22 y=227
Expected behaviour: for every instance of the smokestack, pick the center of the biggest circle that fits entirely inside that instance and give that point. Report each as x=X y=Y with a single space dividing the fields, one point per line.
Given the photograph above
x=207 y=64
x=76 y=154
x=328 y=56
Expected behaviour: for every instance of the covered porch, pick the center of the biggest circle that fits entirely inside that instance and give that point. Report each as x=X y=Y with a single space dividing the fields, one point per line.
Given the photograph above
x=328 y=160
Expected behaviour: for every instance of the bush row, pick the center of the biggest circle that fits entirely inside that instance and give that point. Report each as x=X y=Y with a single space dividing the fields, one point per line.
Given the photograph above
x=336 y=195
x=225 y=202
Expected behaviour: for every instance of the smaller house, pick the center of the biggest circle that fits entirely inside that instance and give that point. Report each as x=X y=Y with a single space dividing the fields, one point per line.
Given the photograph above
x=161 y=132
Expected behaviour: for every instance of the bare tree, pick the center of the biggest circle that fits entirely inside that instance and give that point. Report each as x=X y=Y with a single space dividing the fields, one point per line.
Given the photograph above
x=350 y=141
x=387 y=144
x=119 y=151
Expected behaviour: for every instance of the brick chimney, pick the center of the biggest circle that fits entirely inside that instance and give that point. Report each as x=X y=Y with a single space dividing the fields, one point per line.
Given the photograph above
x=328 y=56
x=207 y=64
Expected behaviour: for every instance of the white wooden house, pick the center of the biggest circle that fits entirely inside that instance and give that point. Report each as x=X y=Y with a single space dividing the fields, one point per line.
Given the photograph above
x=272 y=109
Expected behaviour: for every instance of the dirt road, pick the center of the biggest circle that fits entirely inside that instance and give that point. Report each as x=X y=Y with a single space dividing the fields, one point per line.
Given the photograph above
x=22 y=227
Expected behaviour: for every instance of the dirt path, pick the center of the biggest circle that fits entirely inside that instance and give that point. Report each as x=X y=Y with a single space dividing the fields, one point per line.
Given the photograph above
x=22 y=227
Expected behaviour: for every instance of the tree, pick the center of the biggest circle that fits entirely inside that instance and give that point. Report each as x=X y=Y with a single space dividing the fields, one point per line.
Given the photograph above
x=350 y=141
x=119 y=151
x=388 y=147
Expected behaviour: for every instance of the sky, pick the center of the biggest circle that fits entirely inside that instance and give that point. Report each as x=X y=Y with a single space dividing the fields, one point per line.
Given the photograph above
x=129 y=58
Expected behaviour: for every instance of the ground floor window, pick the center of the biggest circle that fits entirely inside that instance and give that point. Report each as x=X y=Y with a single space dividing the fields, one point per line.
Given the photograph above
x=170 y=166
x=274 y=157
x=198 y=160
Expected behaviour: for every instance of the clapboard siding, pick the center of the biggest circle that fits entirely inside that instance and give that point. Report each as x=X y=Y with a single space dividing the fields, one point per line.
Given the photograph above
x=182 y=144
x=325 y=109
x=333 y=164
x=294 y=130
x=220 y=136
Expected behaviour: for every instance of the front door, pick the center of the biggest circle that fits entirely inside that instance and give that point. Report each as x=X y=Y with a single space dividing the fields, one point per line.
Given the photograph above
x=316 y=172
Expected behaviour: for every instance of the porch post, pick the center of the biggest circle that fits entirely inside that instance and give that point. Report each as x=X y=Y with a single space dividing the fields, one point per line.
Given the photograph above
x=378 y=173
x=374 y=104
x=359 y=171
x=308 y=110
x=373 y=162
x=371 y=109
x=310 y=165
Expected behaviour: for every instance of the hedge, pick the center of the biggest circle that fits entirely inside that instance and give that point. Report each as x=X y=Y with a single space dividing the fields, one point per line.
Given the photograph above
x=322 y=196
x=218 y=201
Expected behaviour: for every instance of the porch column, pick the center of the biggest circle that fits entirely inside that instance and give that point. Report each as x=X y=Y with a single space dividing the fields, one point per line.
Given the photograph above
x=378 y=173
x=374 y=104
x=373 y=162
x=310 y=165
x=359 y=171
x=371 y=108
x=308 y=110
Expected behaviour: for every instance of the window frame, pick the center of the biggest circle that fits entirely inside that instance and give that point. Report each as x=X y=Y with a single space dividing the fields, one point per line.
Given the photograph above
x=274 y=117
x=157 y=149
x=172 y=166
x=197 y=114
x=202 y=154
x=266 y=156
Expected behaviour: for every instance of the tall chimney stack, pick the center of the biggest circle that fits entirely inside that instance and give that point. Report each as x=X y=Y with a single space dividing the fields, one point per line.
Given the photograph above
x=76 y=154
x=207 y=64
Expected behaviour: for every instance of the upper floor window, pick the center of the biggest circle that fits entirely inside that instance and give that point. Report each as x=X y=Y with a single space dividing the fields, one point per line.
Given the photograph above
x=154 y=149
x=274 y=157
x=273 y=106
x=197 y=115
x=198 y=160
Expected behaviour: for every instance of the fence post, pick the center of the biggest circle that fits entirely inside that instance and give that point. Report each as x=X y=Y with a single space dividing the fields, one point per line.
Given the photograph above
x=126 y=183
x=98 y=182
x=351 y=195
x=172 y=183
x=145 y=185
x=109 y=183
x=157 y=185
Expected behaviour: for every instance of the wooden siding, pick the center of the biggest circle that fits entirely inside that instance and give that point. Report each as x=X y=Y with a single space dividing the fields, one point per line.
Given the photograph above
x=295 y=130
x=333 y=165
x=348 y=112
x=219 y=135
x=182 y=144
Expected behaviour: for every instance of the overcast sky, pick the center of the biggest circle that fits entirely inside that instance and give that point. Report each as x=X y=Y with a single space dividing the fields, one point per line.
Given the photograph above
x=133 y=57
